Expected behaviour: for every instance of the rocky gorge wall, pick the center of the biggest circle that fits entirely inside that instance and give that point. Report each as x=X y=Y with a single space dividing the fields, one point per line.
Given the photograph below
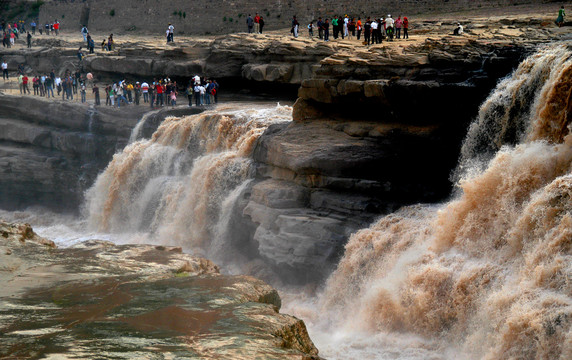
x=375 y=128
x=226 y=16
x=51 y=152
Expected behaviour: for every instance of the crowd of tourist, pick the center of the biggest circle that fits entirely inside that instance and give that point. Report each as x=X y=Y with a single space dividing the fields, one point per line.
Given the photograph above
x=157 y=93
x=369 y=30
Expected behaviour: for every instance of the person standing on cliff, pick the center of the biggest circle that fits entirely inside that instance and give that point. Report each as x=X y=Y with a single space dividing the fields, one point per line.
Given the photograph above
x=57 y=27
x=29 y=40
x=151 y=95
x=170 y=33
x=359 y=28
x=95 y=91
x=327 y=30
x=374 y=32
x=25 y=84
x=389 y=22
x=36 y=85
x=145 y=91
x=197 y=90
x=320 y=26
x=261 y=24
x=560 y=18
x=311 y=30
x=83 y=92
x=405 y=28
x=33 y=25
x=335 y=26
x=256 y=23
x=84 y=32
x=295 y=26
x=49 y=87
x=398 y=25
x=137 y=91
x=249 y=23
x=367 y=31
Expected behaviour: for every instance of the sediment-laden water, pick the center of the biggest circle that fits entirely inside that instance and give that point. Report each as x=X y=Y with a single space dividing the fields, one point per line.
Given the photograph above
x=487 y=275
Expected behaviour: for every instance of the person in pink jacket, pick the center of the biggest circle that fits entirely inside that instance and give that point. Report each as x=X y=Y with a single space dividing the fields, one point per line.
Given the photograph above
x=398 y=24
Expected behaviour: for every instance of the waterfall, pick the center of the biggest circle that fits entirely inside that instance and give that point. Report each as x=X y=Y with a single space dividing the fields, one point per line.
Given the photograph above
x=487 y=275
x=177 y=186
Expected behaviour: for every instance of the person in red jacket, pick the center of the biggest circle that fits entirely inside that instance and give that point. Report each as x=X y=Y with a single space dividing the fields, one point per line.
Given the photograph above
x=159 y=89
x=25 y=84
x=405 y=27
x=257 y=24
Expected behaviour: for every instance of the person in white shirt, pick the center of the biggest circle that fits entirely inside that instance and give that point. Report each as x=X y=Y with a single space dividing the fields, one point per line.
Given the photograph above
x=389 y=22
x=145 y=91
x=197 y=94
x=458 y=30
x=5 y=70
x=58 y=82
x=202 y=90
x=375 y=33
x=170 y=33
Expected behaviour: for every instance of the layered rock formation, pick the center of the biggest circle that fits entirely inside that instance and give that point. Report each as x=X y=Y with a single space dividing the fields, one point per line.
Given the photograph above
x=134 y=301
x=374 y=129
x=51 y=151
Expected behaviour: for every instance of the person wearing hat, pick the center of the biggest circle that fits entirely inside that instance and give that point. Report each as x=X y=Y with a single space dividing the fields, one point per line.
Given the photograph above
x=137 y=90
x=389 y=27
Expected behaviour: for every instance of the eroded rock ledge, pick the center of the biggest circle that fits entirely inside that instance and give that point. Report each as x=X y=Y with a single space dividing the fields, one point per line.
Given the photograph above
x=375 y=129
x=133 y=301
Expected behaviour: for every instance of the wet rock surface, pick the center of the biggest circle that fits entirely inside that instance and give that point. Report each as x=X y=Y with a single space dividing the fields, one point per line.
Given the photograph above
x=51 y=151
x=97 y=299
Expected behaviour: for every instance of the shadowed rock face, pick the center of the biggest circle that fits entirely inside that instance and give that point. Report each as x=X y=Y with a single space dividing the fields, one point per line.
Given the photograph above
x=51 y=151
x=134 y=301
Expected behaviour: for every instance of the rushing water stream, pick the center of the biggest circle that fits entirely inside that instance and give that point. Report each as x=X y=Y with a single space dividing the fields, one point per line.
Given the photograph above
x=487 y=275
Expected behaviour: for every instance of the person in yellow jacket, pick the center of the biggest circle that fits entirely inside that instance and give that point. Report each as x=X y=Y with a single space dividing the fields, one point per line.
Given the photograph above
x=129 y=90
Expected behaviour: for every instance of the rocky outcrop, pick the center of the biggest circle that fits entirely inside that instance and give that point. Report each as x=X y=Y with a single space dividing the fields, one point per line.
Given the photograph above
x=51 y=151
x=265 y=58
x=374 y=129
x=134 y=301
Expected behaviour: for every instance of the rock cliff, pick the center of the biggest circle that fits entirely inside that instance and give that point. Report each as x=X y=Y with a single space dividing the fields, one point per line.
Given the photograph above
x=51 y=151
x=134 y=301
x=374 y=129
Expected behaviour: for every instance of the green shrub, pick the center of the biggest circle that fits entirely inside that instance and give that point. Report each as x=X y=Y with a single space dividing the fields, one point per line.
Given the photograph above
x=184 y=15
x=230 y=19
x=112 y=12
x=224 y=18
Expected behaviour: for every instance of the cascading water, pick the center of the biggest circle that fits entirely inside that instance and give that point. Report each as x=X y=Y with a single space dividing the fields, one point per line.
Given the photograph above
x=487 y=275
x=172 y=187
